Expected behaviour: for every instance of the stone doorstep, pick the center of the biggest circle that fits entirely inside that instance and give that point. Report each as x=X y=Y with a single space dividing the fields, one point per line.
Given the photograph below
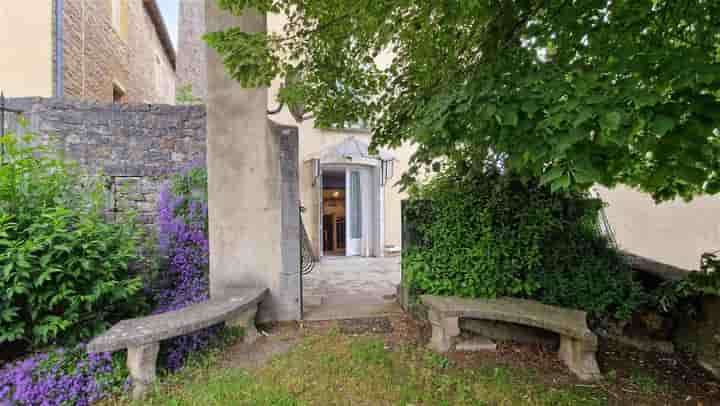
x=476 y=343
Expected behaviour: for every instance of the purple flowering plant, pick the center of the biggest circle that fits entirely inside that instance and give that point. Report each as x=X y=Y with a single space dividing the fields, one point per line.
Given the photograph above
x=183 y=240
x=62 y=377
x=73 y=377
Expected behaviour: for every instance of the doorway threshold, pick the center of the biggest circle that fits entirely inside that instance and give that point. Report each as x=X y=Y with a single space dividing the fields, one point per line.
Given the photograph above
x=358 y=306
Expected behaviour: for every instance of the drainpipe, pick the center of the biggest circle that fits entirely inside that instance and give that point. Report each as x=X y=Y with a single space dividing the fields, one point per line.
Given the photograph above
x=59 y=47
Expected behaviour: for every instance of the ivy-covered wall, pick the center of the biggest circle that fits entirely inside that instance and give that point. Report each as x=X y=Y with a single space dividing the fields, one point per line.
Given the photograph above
x=486 y=234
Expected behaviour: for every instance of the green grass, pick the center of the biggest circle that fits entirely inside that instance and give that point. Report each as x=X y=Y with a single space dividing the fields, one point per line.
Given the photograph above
x=332 y=369
x=646 y=383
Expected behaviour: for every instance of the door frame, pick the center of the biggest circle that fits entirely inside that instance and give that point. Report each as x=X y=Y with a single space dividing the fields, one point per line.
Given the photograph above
x=374 y=233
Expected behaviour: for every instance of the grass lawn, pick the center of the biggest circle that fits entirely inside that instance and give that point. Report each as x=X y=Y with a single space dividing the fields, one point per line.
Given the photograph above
x=328 y=367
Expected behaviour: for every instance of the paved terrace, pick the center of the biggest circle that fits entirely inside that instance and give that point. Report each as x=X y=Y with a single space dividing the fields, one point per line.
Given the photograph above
x=351 y=287
x=353 y=276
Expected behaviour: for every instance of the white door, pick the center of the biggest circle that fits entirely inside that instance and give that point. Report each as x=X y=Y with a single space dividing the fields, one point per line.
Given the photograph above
x=354 y=211
x=320 y=210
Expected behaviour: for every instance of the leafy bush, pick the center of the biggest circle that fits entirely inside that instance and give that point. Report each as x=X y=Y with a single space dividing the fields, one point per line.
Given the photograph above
x=182 y=232
x=63 y=377
x=486 y=234
x=673 y=295
x=64 y=270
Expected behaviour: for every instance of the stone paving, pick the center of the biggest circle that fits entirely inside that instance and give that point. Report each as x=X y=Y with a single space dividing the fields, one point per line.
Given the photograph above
x=338 y=276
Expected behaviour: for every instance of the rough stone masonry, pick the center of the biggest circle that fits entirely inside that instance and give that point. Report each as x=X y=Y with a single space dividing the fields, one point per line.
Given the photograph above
x=136 y=145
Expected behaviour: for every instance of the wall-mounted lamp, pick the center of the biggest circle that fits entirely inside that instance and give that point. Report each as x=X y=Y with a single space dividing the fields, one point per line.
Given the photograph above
x=387 y=170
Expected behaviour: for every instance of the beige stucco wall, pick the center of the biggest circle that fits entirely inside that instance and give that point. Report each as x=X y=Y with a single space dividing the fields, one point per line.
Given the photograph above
x=313 y=140
x=26 y=35
x=675 y=232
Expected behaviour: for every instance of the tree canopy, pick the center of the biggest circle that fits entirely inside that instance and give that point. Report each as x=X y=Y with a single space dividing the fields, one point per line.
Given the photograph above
x=575 y=92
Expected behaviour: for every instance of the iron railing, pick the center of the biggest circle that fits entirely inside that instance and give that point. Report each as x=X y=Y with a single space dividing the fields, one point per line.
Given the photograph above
x=604 y=226
x=308 y=259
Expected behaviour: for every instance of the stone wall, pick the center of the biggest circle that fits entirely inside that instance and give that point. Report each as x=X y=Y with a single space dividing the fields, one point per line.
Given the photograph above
x=93 y=52
x=136 y=146
x=152 y=75
x=98 y=55
x=191 y=66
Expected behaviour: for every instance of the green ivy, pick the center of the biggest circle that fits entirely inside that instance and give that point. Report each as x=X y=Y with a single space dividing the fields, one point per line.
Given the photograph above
x=673 y=295
x=487 y=234
x=64 y=271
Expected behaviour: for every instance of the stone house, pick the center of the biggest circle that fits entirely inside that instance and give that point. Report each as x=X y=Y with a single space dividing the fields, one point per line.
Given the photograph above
x=93 y=50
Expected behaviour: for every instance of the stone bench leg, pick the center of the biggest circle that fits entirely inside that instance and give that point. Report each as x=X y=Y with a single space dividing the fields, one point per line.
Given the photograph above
x=579 y=356
x=141 y=362
x=444 y=331
x=247 y=321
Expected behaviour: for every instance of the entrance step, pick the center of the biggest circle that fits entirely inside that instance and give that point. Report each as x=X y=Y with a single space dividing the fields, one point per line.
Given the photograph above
x=338 y=307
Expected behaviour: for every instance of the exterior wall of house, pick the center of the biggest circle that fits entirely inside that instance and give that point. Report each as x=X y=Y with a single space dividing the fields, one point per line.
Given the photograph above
x=100 y=54
x=26 y=44
x=190 y=69
x=314 y=140
x=95 y=53
x=152 y=76
x=676 y=232
x=191 y=65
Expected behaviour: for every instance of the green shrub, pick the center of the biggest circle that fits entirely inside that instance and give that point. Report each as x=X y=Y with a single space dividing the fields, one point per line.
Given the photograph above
x=486 y=234
x=64 y=270
x=679 y=295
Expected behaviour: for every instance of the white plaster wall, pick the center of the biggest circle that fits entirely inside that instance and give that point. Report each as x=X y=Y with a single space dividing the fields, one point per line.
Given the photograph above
x=676 y=232
x=26 y=35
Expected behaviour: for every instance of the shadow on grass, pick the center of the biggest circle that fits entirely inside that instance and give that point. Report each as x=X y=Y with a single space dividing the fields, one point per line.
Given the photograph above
x=332 y=369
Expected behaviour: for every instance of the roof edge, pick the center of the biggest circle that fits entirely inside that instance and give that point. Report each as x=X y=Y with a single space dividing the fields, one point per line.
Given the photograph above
x=162 y=31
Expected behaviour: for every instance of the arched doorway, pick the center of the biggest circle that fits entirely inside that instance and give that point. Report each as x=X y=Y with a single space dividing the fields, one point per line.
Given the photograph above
x=348 y=191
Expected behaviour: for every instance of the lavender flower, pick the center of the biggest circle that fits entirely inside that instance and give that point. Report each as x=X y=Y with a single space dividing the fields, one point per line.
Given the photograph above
x=59 y=378
x=182 y=234
x=73 y=377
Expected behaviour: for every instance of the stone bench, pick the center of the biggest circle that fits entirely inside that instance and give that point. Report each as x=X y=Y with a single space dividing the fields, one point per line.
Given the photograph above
x=141 y=336
x=578 y=344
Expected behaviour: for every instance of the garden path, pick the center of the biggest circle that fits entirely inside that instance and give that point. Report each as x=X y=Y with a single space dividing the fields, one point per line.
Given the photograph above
x=353 y=275
x=351 y=287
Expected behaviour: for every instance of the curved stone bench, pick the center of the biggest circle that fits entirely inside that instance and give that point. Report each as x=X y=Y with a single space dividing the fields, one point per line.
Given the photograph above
x=578 y=344
x=141 y=336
